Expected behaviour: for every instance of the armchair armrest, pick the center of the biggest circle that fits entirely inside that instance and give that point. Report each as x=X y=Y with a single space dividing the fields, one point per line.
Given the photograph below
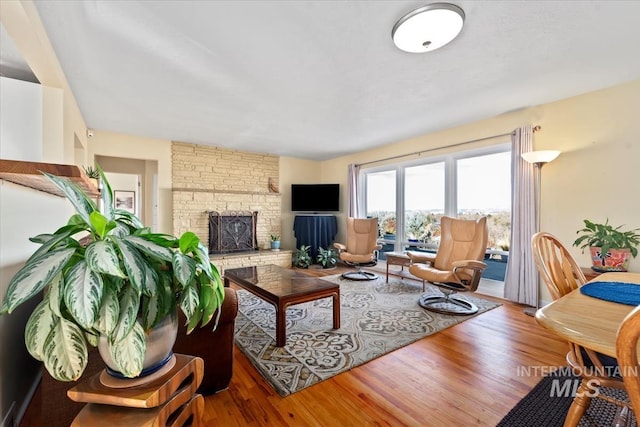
x=469 y=263
x=340 y=247
x=421 y=258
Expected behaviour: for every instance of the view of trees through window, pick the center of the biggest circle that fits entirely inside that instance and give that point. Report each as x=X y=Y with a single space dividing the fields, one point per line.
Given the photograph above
x=478 y=185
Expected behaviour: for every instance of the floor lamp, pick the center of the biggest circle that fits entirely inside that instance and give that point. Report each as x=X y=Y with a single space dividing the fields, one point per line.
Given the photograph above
x=538 y=159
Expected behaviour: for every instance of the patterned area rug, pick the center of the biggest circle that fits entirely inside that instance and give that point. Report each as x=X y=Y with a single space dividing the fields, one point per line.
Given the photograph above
x=375 y=318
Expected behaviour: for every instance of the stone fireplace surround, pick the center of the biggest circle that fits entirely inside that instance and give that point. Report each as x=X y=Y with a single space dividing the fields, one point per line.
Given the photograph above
x=209 y=179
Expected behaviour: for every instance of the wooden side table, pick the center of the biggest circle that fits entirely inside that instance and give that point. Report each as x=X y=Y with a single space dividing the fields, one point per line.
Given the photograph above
x=397 y=258
x=169 y=400
x=590 y=273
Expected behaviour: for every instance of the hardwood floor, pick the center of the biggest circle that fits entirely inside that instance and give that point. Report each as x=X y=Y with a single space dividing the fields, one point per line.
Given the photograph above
x=465 y=375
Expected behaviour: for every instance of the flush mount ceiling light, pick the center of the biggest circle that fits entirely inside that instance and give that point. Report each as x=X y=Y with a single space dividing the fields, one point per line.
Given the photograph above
x=428 y=28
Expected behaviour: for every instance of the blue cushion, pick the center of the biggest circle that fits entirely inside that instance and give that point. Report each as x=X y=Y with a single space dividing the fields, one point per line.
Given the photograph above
x=623 y=293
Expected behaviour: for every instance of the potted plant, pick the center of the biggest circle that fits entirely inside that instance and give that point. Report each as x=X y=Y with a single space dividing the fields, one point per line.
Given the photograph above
x=327 y=258
x=301 y=257
x=275 y=242
x=92 y=173
x=610 y=247
x=108 y=279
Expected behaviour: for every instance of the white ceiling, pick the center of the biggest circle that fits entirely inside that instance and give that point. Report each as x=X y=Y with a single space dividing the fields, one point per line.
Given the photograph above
x=321 y=79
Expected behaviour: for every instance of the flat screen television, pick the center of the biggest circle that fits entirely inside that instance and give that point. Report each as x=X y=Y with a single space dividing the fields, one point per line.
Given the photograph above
x=315 y=197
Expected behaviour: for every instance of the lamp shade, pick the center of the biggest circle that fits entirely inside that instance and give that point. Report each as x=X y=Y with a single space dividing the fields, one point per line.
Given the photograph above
x=540 y=157
x=428 y=28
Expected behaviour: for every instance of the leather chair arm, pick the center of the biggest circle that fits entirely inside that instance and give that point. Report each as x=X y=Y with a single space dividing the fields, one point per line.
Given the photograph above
x=377 y=247
x=469 y=263
x=421 y=258
x=340 y=247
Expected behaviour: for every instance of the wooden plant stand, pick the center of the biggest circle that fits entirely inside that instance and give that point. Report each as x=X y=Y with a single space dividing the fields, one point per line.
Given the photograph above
x=170 y=400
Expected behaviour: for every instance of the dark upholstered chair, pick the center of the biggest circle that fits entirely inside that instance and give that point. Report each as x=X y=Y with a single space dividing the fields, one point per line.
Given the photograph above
x=457 y=267
x=215 y=348
x=362 y=247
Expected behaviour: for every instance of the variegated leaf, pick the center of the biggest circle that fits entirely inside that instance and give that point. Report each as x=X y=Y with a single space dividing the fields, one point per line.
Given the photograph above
x=83 y=204
x=109 y=312
x=150 y=281
x=101 y=257
x=40 y=323
x=92 y=339
x=34 y=276
x=193 y=321
x=129 y=304
x=204 y=262
x=106 y=196
x=208 y=302
x=41 y=238
x=128 y=353
x=133 y=262
x=189 y=301
x=126 y=216
x=154 y=307
x=121 y=230
x=152 y=249
x=65 y=351
x=83 y=293
x=56 y=294
x=184 y=268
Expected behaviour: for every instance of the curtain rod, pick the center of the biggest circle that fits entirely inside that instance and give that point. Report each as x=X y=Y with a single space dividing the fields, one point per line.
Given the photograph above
x=417 y=153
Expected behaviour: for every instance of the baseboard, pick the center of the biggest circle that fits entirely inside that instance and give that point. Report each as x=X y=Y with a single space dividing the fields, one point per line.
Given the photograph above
x=9 y=420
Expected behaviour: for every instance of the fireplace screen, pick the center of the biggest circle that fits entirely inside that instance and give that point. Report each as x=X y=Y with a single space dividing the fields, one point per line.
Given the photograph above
x=232 y=231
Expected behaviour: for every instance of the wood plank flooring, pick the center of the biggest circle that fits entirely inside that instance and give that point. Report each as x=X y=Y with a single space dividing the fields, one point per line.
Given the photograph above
x=465 y=375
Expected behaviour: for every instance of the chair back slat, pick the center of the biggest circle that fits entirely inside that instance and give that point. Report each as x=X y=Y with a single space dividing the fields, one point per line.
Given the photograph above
x=558 y=269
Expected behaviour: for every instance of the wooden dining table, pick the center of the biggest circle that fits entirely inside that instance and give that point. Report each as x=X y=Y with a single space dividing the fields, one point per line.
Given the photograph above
x=587 y=321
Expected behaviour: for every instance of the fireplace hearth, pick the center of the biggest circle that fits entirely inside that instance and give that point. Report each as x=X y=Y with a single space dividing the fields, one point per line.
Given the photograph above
x=232 y=231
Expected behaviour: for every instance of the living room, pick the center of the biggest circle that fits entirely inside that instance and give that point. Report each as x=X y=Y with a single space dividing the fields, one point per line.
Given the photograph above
x=596 y=133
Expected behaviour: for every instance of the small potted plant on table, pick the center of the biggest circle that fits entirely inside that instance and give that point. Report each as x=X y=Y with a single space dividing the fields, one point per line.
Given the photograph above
x=610 y=247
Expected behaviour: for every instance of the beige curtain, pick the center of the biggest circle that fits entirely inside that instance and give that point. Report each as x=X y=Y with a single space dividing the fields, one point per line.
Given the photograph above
x=352 y=191
x=521 y=279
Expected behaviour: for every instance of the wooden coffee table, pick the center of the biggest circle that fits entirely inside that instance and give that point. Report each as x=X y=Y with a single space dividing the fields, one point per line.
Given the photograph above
x=283 y=287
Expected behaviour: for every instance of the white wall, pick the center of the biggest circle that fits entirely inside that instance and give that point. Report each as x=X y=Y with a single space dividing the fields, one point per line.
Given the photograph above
x=24 y=213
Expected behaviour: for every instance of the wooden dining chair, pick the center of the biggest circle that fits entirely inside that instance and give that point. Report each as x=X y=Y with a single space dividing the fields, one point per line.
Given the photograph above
x=561 y=274
x=627 y=354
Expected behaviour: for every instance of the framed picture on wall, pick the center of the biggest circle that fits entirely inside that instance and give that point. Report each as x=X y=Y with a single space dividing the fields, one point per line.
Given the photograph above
x=125 y=200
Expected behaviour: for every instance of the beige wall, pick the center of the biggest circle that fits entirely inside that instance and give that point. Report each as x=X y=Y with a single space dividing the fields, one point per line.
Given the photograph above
x=594 y=177
x=296 y=171
x=122 y=146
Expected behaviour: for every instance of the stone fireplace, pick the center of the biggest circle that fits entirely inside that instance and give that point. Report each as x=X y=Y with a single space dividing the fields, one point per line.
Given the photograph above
x=232 y=231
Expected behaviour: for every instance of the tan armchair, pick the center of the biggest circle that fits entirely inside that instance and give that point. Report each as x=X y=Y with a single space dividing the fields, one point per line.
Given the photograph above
x=361 y=249
x=457 y=267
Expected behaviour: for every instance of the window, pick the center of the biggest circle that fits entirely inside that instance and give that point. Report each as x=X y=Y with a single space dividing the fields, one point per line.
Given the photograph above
x=410 y=198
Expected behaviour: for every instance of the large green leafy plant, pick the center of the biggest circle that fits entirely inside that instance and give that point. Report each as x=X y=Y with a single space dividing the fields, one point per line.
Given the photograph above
x=104 y=273
x=606 y=237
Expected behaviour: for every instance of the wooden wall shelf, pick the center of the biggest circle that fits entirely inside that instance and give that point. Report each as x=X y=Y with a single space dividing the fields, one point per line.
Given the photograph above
x=29 y=174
